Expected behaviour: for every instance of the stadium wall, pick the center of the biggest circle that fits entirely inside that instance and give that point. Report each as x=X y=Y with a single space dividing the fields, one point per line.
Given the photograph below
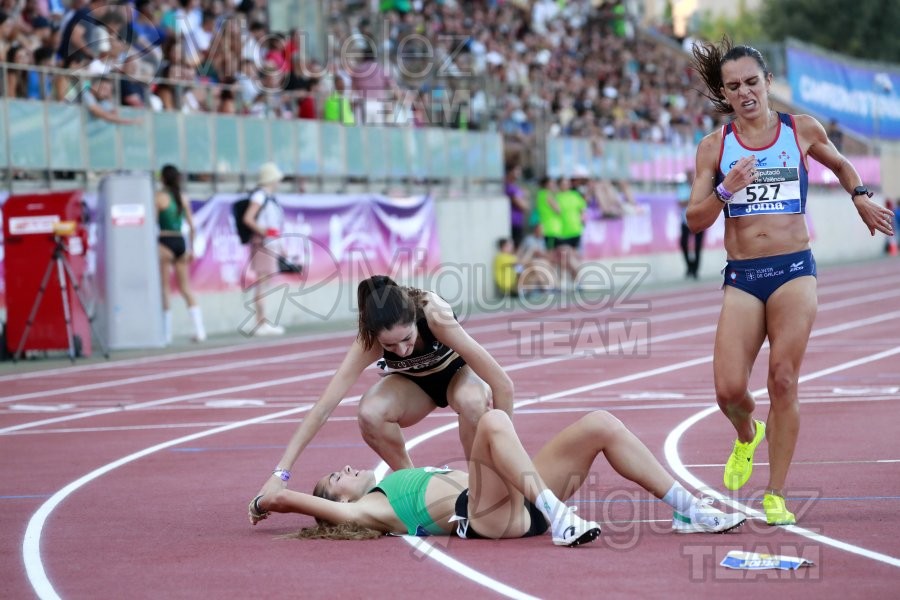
x=469 y=226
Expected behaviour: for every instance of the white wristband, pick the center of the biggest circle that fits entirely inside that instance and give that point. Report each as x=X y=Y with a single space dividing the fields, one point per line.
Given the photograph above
x=282 y=474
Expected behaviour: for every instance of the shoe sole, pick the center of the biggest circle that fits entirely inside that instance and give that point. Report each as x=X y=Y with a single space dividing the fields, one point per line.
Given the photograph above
x=713 y=531
x=585 y=538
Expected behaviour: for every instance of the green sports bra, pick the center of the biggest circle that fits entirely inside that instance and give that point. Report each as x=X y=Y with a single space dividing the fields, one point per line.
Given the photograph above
x=405 y=490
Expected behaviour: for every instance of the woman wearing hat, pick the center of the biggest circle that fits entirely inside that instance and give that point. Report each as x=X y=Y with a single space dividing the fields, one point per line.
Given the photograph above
x=265 y=218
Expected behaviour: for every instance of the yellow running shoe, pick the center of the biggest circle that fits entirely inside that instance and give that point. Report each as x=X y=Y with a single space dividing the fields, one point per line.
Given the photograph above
x=776 y=512
x=740 y=464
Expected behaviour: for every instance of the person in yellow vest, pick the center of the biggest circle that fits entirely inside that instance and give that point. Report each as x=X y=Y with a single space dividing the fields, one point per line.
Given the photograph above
x=506 y=274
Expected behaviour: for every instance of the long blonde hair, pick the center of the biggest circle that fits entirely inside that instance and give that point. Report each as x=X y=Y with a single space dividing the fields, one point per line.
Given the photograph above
x=325 y=530
x=344 y=531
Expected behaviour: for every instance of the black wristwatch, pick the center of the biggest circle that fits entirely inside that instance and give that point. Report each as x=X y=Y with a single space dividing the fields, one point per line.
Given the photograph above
x=861 y=190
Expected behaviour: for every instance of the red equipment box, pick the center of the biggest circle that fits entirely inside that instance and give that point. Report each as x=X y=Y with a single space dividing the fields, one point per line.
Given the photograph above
x=32 y=225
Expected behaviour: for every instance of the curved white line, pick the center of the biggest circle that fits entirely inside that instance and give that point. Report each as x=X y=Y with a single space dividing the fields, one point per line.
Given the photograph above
x=674 y=460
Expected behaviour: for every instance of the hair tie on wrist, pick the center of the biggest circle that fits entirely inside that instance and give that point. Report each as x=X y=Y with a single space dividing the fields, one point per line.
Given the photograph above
x=722 y=194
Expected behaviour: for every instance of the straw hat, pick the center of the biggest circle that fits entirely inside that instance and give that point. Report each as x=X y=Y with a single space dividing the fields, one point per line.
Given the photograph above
x=269 y=173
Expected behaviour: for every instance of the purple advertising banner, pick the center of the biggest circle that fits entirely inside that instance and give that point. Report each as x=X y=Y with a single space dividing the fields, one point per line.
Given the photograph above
x=330 y=235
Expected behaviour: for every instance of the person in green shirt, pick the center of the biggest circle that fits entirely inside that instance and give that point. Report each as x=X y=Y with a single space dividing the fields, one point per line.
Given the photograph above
x=572 y=206
x=337 y=107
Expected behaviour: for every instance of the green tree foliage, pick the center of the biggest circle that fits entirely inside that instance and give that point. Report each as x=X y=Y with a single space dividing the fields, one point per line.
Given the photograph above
x=745 y=28
x=865 y=29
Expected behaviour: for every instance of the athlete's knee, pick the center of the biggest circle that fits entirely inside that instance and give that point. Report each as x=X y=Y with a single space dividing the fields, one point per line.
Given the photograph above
x=731 y=392
x=494 y=421
x=373 y=412
x=471 y=401
x=783 y=381
x=602 y=424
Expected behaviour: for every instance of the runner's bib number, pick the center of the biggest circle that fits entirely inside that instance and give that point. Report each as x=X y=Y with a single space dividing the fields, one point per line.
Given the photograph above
x=775 y=192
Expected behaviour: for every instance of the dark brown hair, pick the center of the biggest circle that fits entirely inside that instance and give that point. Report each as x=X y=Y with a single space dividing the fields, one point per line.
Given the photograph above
x=171 y=179
x=708 y=60
x=383 y=304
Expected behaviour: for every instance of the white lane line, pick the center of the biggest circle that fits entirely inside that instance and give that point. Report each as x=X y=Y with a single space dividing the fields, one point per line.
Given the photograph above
x=674 y=460
x=31 y=546
x=659 y=318
x=152 y=403
x=169 y=375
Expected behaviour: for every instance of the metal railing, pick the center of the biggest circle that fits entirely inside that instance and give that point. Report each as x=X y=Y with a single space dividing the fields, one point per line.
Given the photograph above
x=50 y=137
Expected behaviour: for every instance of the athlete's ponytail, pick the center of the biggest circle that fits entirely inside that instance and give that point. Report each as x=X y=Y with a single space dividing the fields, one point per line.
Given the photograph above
x=708 y=60
x=382 y=305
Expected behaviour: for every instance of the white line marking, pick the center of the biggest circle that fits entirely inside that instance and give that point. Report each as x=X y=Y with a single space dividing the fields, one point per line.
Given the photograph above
x=674 y=460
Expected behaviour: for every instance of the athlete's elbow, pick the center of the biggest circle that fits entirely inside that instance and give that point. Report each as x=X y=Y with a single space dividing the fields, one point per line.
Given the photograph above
x=695 y=224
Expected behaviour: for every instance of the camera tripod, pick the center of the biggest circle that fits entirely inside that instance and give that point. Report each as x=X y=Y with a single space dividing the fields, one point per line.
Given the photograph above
x=63 y=274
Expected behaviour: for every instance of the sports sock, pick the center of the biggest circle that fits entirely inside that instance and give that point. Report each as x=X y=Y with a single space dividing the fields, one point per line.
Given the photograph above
x=679 y=498
x=552 y=508
x=197 y=318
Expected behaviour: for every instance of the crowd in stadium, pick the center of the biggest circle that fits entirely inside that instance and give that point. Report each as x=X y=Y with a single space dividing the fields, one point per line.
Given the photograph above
x=574 y=68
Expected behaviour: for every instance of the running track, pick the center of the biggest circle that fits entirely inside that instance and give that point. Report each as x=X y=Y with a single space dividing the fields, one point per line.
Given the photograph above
x=131 y=478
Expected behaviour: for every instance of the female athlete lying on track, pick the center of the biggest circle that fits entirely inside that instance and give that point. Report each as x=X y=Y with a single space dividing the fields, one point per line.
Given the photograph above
x=428 y=361
x=506 y=496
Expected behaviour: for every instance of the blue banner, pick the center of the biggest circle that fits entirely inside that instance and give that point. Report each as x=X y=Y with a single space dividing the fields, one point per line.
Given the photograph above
x=864 y=99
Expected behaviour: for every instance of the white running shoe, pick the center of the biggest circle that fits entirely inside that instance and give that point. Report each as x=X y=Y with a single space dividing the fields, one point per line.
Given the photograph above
x=703 y=518
x=575 y=530
x=265 y=330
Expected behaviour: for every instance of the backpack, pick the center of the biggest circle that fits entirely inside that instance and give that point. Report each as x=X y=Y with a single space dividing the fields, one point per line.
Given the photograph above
x=237 y=210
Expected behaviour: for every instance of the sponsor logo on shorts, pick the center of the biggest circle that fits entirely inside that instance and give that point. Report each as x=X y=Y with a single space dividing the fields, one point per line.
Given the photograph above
x=797 y=266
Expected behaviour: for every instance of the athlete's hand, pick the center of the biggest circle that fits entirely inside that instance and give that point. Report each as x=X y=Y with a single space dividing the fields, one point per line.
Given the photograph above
x=742 y=174
x=875 y=216
x=273 y=485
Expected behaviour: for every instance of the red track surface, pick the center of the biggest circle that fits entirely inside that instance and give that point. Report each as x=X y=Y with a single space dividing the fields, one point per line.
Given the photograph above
x=131 y=478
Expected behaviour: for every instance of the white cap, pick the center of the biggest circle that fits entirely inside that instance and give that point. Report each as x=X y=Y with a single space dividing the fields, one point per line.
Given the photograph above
x=269 y=173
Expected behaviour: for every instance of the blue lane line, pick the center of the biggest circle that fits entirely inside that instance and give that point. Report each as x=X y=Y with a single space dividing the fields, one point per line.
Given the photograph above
x=25 y=496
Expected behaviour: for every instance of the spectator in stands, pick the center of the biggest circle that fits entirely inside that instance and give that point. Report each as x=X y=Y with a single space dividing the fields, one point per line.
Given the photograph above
x=40 y=84
x=374 y=87
x=97 y=99
x=16 y=84
x=79 y=35
x=337 y=107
